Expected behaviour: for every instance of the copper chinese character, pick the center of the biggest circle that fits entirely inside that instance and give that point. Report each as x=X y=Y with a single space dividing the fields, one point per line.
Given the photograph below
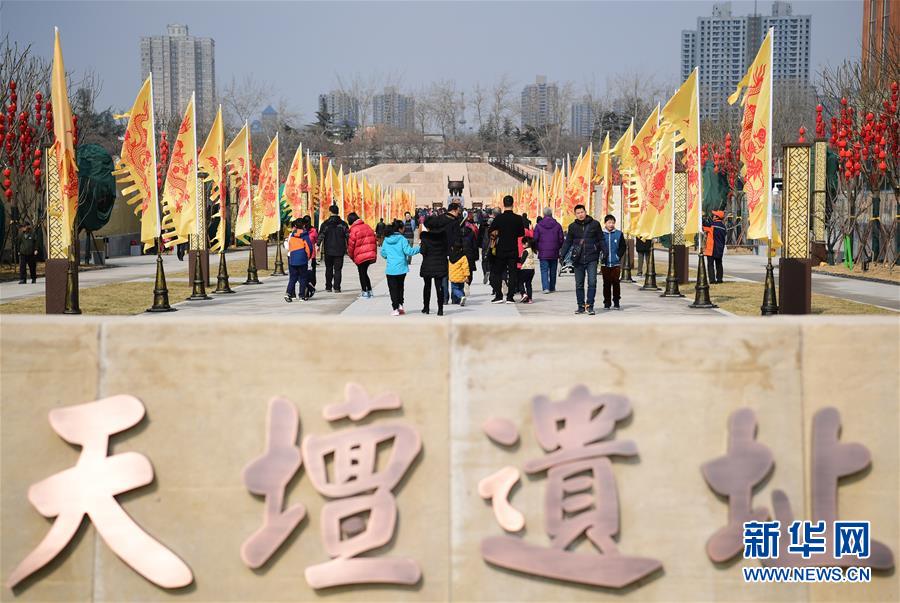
x=90 y=487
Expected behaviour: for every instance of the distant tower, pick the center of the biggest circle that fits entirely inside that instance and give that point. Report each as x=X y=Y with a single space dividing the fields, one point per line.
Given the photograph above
x=462 y=106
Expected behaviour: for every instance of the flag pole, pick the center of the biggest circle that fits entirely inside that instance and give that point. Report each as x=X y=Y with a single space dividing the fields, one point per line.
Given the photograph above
x=671 y=278
x=198 y=290
x=252 y=277
x=279 y=261
x=160 y=290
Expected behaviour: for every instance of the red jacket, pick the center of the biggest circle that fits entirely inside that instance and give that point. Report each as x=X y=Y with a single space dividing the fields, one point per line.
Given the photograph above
x=362 y=245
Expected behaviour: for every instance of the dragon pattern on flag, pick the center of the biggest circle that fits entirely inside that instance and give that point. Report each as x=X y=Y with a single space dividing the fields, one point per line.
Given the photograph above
x=237 y=162
x=136 y=171
x=211 y=163
x=755 y=140
x=179 y=200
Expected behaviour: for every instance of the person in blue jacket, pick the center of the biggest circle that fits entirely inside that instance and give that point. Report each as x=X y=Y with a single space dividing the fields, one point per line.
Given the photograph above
x=612 y=250
x=396 y=250
x=299 y=250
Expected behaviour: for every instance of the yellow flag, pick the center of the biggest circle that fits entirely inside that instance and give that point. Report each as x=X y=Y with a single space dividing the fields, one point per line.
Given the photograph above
x=643 y=156
x=604 y=179
x=237 y=162
x=339 y=191
x=682 y=115
x=211 y=162
x=312 y=186
x=292 y=196
x=179 y=200
x=756 y=140
x=64 y=145
x=622 y=153
x=328 y=191
x=370 y=209
x=656 y=218
x=136 y=171
x=578 y=187
x=556 y=194
x=267 y=191
x=622 y=150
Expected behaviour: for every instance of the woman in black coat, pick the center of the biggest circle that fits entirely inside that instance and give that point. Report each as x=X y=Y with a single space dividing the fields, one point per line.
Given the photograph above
x=433 y=247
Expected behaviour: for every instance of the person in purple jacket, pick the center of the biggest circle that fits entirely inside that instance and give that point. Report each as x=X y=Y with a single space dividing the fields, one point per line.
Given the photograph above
x=548 y=236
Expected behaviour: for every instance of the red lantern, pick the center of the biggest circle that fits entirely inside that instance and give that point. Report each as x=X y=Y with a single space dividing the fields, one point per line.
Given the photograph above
x=7 y=183
x=37 y=173
x=12 y=84
x=8 y=193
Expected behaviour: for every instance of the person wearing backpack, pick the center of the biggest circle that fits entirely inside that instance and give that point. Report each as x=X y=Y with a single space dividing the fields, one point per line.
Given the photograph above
x=333 y=236
x=299 y=251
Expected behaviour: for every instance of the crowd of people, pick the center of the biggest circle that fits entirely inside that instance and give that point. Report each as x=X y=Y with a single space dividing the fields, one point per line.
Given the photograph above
x=452 y=242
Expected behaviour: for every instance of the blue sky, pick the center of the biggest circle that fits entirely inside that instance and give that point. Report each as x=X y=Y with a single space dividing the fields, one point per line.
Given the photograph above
x=301 y=46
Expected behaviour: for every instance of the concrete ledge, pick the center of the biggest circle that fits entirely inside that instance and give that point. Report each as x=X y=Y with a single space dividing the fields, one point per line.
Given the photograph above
x=205 y=384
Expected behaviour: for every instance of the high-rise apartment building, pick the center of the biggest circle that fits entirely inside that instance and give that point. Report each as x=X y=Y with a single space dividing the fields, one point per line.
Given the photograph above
x=341 y=106
x=394 y=109
x=723 y=46
x=181 y=64
x=582 y=124
x=540 y=103
x=880 y=34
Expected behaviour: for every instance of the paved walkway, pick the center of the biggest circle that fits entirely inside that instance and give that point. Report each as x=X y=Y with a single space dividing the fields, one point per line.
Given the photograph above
x=268 y=299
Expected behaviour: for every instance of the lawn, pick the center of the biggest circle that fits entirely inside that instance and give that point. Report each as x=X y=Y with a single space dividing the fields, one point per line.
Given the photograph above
x=133 y=297
x=745 y=299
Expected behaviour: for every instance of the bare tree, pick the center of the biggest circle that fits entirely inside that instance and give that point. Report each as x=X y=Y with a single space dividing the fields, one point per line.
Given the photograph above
x=443 y=97
x=242 y=99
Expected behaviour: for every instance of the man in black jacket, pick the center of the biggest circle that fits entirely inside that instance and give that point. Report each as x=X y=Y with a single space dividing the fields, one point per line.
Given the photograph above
x=379 y=231
x=28 y=252
x=509 y=229
x=583 y=238
x=333 y=241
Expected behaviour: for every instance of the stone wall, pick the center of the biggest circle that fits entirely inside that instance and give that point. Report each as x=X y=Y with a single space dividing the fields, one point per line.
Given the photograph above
x=205 y=387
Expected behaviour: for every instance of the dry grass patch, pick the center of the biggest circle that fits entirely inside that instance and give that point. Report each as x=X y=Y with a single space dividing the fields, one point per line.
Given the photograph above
x=745 y=299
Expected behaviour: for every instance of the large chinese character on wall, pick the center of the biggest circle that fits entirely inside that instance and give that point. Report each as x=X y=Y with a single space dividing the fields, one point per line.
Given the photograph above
x=580 y=503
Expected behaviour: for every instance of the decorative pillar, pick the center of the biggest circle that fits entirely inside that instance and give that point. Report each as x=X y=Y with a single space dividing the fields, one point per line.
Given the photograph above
x=57 y=265
x=260 y=244
x=794 y=275
x=619 y=213
x=681 y=255
x=199 y=243
x=818 y=247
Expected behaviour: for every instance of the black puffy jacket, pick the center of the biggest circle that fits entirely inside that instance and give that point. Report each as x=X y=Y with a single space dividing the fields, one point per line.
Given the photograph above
x=333 y=236
x=434 y=247
x=583 y=238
